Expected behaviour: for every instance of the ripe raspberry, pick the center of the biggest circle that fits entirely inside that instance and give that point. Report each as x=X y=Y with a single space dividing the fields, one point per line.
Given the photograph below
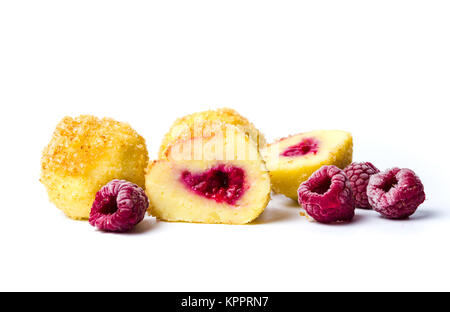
x=327 y=196
x=395 y=193
x=118 y=206
x=359 y=174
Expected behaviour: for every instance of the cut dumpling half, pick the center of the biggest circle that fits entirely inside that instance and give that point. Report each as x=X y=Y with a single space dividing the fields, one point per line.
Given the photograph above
x=213 y=179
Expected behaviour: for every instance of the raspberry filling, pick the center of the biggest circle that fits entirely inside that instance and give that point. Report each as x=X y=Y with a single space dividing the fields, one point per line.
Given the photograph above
x=221 y=183
x=306 y=146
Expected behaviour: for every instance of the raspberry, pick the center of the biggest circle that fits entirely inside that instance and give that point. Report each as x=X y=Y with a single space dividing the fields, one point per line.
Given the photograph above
x=359 y=174
x=327 y=195
x=118 y=206
x=395 y=193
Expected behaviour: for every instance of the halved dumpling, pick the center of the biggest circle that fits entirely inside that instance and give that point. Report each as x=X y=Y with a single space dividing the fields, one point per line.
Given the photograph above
x=293 y=159
x=216 y=179
x=204 y=124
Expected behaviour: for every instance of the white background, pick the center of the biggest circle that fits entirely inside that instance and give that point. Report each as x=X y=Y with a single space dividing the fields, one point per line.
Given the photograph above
x=380 y=69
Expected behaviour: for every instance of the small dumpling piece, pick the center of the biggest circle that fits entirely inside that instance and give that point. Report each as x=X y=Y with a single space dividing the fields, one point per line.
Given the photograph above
x=84 y=154
x=292 y=160
x=213 y=179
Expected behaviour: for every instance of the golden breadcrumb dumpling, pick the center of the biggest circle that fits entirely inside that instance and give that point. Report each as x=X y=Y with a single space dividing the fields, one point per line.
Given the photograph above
x=84 y=154
x=203 y=124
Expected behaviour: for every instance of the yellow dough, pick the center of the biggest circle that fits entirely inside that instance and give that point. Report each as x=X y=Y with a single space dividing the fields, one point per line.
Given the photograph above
x=334 y=147
x=219 y=158
x=203 y=123
x=84 y=154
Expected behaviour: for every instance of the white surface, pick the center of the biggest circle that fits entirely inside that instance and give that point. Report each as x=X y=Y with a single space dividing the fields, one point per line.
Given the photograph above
x=380 y=69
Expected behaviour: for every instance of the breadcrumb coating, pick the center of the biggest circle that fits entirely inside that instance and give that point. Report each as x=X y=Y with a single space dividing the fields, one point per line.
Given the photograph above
x=86 y=153
x=203 y=123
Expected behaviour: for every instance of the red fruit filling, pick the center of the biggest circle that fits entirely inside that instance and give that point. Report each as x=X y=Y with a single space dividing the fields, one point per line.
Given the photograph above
x=306 y=146
x=221 y=183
